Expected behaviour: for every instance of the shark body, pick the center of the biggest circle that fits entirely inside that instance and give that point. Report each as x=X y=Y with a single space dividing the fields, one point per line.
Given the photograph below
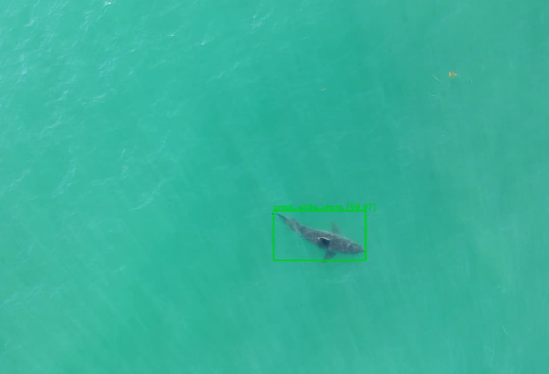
x=331 y=242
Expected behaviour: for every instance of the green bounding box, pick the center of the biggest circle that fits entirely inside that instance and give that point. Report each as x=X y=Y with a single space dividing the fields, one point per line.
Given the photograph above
x=291 y=222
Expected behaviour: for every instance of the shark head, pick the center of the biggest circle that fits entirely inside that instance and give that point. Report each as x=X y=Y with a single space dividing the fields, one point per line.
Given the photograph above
x=355 y=248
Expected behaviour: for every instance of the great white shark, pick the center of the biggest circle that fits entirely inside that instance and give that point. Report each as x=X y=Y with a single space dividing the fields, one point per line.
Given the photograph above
x=331 y=242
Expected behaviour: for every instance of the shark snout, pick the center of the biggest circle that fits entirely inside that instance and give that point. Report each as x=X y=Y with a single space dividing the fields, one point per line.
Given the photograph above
x=355 y=248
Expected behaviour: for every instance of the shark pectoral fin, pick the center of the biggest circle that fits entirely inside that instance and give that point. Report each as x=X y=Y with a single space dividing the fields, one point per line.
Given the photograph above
x=335 y=229
x=324 y=242
x=329 y=255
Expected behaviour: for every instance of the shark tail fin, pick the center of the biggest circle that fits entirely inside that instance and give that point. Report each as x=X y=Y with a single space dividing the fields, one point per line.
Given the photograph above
x=294 y=225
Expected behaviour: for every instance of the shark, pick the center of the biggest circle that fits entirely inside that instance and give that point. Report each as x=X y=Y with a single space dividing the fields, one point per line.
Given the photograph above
x=332 y=242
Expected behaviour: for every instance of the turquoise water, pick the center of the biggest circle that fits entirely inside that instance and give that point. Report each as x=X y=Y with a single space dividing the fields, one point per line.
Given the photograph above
x=143 y=146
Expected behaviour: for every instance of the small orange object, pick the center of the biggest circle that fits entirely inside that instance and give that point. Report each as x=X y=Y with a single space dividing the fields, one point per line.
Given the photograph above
x=452 y=74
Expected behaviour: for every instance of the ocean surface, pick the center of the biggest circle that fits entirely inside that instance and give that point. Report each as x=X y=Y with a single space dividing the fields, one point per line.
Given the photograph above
x=144 y=145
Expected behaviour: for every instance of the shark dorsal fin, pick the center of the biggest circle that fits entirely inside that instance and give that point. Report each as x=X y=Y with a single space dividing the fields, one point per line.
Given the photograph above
x=335 y=229
x=324 y=242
